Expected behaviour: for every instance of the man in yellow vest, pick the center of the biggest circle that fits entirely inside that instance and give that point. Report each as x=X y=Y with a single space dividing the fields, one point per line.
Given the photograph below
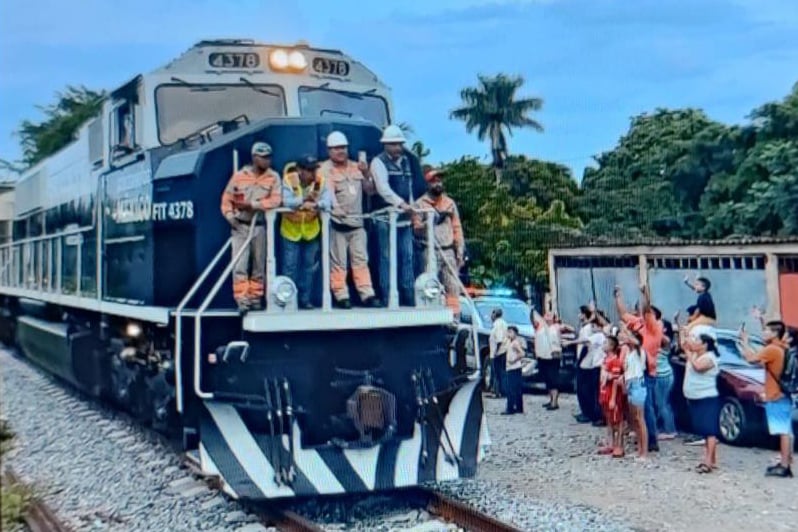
x=304 y=191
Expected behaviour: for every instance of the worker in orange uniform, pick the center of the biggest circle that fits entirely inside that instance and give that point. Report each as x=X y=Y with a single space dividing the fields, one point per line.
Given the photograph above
x=347 y=181
x=450 y=244
x=255 y=188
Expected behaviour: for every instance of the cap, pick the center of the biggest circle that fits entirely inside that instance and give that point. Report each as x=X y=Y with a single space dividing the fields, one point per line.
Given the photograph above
x=432 y=174
x=308 y=162
x=262 y=149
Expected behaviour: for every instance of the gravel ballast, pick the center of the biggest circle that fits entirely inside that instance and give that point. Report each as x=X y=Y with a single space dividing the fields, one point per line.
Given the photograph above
x=96 y=469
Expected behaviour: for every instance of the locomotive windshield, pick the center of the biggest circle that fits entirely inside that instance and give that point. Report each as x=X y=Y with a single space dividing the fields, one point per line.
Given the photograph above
x=184 y=109
x=315 y=101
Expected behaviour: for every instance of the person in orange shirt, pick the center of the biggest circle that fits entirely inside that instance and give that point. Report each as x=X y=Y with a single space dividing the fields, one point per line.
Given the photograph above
x=348 y=181
x=448 y=235
x=649 y=325
x=778 y=405
x=253 y=189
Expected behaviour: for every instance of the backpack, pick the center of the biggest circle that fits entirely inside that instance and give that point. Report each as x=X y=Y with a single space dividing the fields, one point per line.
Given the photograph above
x=789 y=375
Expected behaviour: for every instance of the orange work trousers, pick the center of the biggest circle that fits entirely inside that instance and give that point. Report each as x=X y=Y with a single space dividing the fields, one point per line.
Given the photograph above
x=248 y=272
x=345 y=246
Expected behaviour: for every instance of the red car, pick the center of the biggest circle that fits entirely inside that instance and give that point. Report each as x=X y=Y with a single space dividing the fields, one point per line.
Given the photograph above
x=740 y=384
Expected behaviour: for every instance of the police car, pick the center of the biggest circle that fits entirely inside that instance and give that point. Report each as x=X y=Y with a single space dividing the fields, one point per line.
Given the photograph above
x=475 y=320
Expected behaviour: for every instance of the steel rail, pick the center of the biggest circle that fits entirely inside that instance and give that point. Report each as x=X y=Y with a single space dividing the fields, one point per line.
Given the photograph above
x=460 y=513
x=286 y=520
x=38 y=515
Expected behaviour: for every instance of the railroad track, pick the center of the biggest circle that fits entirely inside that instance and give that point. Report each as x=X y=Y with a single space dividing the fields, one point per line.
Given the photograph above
x=38 y=516
x=436 y=503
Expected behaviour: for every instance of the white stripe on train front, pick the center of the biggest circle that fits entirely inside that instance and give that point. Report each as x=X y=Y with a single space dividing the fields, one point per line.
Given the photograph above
x=406 y=470
x=484 y=438
x=209 y=466
x=455 y=423
x=312 y=466
x=245 y=448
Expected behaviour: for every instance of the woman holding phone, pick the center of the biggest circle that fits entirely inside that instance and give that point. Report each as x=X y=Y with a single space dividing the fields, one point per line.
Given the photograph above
x=701 y=390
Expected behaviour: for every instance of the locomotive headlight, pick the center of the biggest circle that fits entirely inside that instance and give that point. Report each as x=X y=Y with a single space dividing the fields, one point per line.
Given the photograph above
x=432 y=289
x=278 y=59
x=133 y=330
x=284 y=291
x=297 y=61
x=428 y=290
x=287 y=60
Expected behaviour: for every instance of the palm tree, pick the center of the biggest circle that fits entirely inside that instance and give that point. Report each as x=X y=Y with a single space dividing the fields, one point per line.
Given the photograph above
x=491 y=108
x=406 y=128
x=419 y=150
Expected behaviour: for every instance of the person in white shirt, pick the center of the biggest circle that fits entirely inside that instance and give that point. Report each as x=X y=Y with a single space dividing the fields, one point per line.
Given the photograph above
x=498 y=352
x=634 y=362
x=548 y=352
x=590 y=350
x=515 y=383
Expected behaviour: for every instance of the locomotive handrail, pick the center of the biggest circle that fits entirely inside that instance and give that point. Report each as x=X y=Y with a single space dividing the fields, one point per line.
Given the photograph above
x=65 y=232
x=179 y=321
x=206 y=303
x=461 y=286
x=13 y=280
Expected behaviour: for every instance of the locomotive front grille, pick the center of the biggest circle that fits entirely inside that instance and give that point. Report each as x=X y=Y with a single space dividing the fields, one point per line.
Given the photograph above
x=372 y=411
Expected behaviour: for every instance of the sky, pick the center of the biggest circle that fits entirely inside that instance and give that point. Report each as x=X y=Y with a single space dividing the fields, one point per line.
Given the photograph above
x=595 y=63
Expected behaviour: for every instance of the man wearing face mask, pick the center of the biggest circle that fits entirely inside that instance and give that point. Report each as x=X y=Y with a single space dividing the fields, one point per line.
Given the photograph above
x=448 y=235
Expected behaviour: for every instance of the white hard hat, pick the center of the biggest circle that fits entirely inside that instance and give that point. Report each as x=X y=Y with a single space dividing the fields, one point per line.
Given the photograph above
x=336 y=138
x=392 y=134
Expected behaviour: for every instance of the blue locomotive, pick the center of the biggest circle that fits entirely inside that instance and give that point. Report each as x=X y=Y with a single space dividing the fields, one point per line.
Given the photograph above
x=116 y=278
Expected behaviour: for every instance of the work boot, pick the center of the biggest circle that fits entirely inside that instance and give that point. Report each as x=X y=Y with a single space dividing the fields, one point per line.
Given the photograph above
x=372 y=302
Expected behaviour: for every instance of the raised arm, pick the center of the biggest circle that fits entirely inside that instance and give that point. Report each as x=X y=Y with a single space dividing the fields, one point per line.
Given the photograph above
x=645 y=299
x=620 y=306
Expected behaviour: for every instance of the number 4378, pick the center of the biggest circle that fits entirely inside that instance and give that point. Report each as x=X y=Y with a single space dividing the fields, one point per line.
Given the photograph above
x=180 y=210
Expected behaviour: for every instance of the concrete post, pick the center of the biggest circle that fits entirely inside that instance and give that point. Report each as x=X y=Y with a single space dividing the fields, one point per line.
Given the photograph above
x=772 y=286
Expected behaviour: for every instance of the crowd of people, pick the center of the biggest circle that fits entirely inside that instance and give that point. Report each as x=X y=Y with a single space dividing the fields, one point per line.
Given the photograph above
x=354 y=193
x=625 y=377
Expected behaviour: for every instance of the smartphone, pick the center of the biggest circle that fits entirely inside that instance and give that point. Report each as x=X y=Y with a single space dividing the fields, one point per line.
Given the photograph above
x=361 y=156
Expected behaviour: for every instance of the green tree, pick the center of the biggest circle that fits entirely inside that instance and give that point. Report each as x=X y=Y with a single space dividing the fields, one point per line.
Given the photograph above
x=491 y=108
x=62 y=120
x=652 y=182
x=760 y=195
x=542 y=181
x=508 y=235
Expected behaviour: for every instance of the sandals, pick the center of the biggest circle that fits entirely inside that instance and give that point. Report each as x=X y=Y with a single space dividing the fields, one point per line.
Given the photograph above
x=703 y=469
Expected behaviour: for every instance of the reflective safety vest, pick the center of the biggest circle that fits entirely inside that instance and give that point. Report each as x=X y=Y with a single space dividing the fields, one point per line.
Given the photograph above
x=301 y=225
